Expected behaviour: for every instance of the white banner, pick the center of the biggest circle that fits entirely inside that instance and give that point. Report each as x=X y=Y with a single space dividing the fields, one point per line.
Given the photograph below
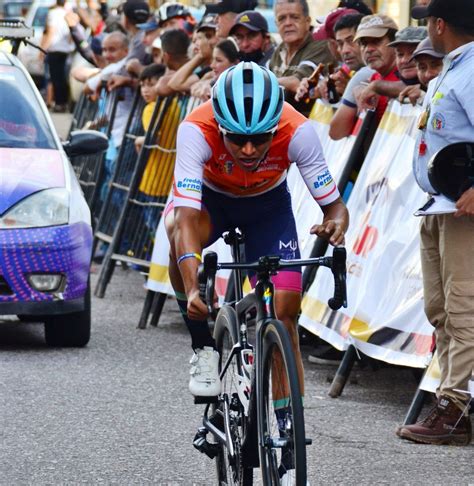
x=385 y=317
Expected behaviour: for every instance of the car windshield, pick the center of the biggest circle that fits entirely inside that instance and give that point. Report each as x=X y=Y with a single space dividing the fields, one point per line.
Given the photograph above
x=22 y=121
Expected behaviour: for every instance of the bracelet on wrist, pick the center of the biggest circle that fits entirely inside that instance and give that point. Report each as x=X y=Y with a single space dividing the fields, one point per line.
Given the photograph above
x=189 y=255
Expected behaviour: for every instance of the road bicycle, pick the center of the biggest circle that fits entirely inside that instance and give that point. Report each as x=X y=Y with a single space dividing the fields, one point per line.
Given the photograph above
x=244 y=431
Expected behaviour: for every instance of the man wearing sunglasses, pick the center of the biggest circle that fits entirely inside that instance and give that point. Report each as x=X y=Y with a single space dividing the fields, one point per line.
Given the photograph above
x=233 y=154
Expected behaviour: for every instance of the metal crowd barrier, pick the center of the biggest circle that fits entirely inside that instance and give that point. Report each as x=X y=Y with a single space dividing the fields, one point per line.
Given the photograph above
x=89 y=168
x=84 y=111
x=124 y=168
x=130 y=231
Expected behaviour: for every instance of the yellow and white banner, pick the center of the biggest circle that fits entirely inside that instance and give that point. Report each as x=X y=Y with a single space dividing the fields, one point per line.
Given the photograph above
x=385 y=317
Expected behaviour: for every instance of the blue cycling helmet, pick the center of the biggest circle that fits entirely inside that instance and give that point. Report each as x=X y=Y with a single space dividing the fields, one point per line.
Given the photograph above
x=247 y=99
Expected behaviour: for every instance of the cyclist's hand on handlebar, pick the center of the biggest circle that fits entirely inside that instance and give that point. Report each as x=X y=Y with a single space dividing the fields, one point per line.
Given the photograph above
x=329 y=230
x=197 y=309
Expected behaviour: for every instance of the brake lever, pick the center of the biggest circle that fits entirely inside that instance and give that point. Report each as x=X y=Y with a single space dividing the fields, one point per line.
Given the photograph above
x=207 y=280
x=339 y=272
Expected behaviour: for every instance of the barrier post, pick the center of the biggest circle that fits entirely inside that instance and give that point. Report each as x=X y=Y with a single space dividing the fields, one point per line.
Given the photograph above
x=343 y=372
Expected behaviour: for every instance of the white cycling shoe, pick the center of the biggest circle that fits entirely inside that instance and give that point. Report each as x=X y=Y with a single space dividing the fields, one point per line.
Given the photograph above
x=204 y=382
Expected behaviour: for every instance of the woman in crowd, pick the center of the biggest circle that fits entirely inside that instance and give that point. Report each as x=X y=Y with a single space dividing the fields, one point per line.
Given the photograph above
x=224 y=55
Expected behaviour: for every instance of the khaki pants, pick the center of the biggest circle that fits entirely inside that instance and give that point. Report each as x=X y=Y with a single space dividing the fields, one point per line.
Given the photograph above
x=447 y=259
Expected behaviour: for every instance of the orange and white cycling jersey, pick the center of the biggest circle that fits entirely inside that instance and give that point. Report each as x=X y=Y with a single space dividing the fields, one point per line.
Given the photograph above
x=202 y=158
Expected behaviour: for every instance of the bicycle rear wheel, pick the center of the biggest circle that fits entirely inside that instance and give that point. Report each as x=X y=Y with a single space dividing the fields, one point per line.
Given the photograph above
x=282 y=443
x=230 y=469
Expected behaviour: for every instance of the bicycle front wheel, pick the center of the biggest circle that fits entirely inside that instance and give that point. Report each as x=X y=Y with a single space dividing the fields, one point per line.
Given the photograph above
x=230 y=469
x=282 y=443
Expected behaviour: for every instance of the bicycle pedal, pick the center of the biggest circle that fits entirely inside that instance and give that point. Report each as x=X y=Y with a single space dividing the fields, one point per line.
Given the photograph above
x=205 y=400
x=308 y=441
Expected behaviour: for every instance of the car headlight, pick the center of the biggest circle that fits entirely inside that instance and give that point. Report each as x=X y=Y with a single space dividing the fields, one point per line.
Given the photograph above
x=45 y=208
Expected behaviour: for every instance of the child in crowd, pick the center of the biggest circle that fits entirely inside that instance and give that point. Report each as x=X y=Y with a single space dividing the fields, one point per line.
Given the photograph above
x=429 y=64
x=148 y=79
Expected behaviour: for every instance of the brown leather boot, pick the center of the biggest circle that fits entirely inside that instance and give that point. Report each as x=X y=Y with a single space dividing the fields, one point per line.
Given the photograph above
x=445 y=425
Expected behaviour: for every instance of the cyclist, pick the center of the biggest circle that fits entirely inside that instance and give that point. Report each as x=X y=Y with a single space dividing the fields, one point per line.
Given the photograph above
x=233 y=153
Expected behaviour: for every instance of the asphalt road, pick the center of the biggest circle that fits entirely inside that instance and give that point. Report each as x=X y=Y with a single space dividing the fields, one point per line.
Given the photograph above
x=118 y=411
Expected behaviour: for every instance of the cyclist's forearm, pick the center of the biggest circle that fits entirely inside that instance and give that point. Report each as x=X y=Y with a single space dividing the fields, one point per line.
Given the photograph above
x=187 y=242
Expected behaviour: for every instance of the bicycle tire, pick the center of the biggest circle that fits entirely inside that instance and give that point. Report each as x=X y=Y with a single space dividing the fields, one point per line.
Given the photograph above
x=275 y=339
x=226 y=331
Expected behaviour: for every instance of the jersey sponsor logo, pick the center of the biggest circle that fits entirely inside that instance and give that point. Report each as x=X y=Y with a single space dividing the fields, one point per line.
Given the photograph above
x=323 y=180
x=291 y=245
x=194 y=185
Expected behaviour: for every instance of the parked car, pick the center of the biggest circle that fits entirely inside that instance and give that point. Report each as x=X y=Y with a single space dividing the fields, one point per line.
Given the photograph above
x=45 y=223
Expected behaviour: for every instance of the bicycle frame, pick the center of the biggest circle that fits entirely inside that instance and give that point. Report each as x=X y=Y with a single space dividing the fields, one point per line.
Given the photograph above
x=260 y=299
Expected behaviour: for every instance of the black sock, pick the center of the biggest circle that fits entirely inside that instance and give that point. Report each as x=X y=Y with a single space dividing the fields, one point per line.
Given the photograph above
x=199 y=330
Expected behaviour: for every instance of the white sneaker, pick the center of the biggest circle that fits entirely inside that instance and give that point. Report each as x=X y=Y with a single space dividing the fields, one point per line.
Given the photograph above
x=205 y=381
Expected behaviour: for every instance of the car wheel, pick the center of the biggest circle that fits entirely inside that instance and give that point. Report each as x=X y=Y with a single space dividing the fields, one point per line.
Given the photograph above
x=70 y=330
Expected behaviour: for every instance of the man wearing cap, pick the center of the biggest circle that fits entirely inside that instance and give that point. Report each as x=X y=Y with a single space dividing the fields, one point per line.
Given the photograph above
x=447 y=249
x=374 y=34
x=251 y=34
x=327 y=33
x=405 y=43
x=227 y=11
x=133 y=12
x=198 y=66
x=299 y=54
x=429 y=64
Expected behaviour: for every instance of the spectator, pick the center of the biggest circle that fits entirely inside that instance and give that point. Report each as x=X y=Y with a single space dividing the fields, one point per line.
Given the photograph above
x=374 y=34
x=227 y=11
x=428 y=65
x=199 y=65
x=327 y=32
x=134 y=12
x=345 y=117
x=253 y=40
x=298 y=54
x=148 y=79
x=156 y=51
x=447 y=252
x=174 y=15
x=59 y=45
x=174 y=46
x=405 y=43
x=224 y=55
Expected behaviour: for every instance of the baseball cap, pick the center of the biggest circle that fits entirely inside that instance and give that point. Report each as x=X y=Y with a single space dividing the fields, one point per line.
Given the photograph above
x=456 y=12
x=235 y=6
x=136 y=10
x=156 y=43
x=426 y=47
x=209 y=21
x=152 y=24
x=409 y=35
x=375 y=26
x=251 y=20
x=326 y=31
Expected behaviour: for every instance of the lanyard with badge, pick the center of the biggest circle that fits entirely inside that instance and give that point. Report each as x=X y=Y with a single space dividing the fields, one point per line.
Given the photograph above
x=425 y=116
